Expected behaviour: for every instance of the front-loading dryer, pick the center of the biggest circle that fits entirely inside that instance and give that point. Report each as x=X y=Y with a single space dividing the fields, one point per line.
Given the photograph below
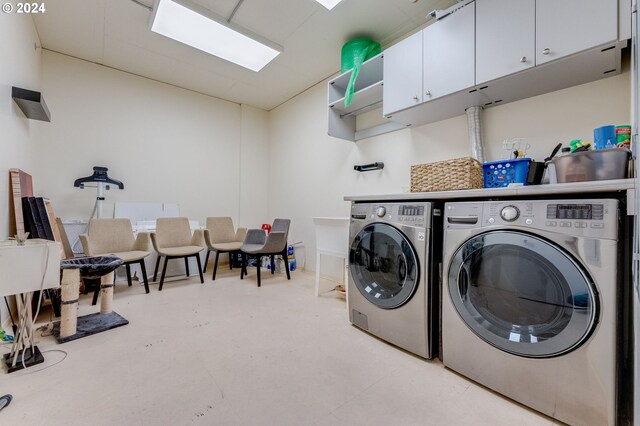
x=391 y=272
x=529 y=302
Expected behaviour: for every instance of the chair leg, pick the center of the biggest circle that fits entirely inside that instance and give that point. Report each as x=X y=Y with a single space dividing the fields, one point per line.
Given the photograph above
x=231 y=259
x=242 y=265
x=273 y=265
x=55 y=302
x=215 y=265
x=143 y=268
x=96 y=292
x=318 y=255
x=286 y=262
x=128 y=268
x=258 y=268
x=199 y=268
x=245 y=258
x=206 y=261
x=186 y=265
x=155 y=274
x=164 y=271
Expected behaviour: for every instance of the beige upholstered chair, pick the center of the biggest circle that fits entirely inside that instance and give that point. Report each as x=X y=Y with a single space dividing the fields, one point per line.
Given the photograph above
x=173 y=240
x=258 y=244
x=115 y=236
x=221 y=237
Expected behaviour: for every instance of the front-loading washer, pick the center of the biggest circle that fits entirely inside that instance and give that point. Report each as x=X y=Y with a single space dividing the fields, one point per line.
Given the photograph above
x=392 y=268
x=529 y=302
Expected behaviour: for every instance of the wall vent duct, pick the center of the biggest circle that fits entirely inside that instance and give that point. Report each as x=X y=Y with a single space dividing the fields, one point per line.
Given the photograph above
x=31 y=103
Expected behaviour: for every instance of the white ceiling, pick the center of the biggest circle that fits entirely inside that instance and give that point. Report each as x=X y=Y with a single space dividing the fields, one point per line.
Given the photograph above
x=116 y=33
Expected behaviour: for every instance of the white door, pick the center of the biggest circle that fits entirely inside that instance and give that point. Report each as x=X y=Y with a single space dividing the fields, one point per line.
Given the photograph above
x=449 y=54
x=505 y=37
x=402 y=71
x=564 y=27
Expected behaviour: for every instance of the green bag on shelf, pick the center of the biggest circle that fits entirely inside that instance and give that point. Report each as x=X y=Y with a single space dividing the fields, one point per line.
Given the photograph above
x=354 y=53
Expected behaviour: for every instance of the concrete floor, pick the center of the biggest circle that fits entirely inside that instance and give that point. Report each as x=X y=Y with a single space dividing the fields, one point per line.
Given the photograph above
x=229 y=353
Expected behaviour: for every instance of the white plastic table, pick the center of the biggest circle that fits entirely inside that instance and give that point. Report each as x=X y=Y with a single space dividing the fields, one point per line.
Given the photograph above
x=332 y=239
x=24 y=269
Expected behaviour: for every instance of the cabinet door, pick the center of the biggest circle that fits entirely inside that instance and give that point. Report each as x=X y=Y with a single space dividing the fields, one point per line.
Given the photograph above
x=402 y=75
x=505 y=37
x=564 y=27
x=449 y=54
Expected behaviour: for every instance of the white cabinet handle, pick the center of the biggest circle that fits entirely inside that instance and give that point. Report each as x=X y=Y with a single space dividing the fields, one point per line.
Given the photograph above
x=546 y=51
x=415 y=98
x=428 y=93
x=523 y=59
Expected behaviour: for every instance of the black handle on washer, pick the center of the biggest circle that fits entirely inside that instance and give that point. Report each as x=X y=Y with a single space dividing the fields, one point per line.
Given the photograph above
x=469 y=220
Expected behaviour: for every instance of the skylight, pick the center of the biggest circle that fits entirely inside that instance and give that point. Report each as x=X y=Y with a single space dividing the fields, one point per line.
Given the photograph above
x=202 y=29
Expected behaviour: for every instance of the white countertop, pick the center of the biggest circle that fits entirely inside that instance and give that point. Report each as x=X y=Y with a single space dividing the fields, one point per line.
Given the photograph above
x=513 y=191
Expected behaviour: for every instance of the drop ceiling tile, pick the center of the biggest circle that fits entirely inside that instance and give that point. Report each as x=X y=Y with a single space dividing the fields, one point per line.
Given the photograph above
x=73 y=27
x=136 y=60
x=202 y=80
x=284 y=17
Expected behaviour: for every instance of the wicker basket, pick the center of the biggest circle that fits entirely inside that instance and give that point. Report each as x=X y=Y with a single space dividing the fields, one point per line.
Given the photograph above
x=459 y=173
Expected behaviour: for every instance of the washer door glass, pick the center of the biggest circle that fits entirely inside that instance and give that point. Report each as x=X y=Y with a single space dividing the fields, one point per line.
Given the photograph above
x=522 y=294
x=384 y=265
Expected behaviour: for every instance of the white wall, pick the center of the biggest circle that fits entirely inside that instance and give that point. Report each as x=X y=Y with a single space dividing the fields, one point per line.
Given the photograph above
x=164 y=143
x=314 y=171
x=254 y=167
x=19 y=66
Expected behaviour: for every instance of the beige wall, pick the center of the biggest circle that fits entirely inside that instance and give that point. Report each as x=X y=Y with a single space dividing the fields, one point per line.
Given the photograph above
x=315 y=171
x=254 y=167
x=19 y=66
x=166 y=144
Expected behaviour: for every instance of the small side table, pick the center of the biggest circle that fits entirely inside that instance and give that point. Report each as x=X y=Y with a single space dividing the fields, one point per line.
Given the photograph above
x=26 y=269
x=332 y=239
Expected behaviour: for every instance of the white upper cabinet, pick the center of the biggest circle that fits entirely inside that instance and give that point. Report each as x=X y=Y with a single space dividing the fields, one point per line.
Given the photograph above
x=402 y=75
x=505 y=38
x=564 y=27
x=449 y=54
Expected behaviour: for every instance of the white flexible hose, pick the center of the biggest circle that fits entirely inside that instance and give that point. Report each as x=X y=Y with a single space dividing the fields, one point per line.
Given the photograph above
x=474 y=125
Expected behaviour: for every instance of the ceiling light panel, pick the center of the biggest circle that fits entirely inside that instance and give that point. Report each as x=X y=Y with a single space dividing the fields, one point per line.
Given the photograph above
x=202 y=29
x=329 y=4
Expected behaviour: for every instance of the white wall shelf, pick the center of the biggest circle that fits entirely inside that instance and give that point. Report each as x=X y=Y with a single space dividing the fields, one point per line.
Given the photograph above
x=367 y=97
x=363 y=100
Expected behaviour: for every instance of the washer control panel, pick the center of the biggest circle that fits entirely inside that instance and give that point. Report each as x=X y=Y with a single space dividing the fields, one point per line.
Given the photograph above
x=590 y=218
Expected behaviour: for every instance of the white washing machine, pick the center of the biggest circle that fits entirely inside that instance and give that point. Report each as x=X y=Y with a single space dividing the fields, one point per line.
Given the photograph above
x=529 y=303
x=391 y=271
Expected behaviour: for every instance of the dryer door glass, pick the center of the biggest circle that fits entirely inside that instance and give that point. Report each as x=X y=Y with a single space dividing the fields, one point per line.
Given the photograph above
x=384 y=265
x=522 y=294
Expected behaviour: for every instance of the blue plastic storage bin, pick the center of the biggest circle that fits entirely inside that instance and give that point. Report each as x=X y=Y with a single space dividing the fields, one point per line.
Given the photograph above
x=501 y=173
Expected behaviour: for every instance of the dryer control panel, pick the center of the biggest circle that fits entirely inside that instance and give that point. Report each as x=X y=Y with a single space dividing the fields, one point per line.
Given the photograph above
x=411 y=214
